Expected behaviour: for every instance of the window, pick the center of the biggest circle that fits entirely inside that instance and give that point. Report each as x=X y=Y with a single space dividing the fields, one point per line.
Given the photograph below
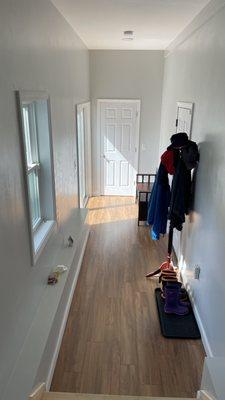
x=38 y=168
x=32 y=162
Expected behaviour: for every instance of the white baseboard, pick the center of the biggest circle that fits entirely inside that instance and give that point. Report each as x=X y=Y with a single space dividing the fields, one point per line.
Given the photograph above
x=205 y=340
x=65 y=316
x=204 y=395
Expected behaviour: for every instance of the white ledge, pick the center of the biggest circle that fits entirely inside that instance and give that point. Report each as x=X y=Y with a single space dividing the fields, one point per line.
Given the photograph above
x=26 y=366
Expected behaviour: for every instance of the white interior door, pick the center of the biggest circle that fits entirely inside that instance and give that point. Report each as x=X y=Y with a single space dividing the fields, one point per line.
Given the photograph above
x=84 y=152
x=119 y=128
x=183 y=124
x=184 y=117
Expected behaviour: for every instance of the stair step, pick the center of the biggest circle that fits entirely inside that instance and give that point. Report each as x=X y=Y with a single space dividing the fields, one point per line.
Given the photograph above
x=78 y=396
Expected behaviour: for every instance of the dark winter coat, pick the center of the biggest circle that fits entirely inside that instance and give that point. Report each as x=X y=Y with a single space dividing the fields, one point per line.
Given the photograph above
x=180 y=195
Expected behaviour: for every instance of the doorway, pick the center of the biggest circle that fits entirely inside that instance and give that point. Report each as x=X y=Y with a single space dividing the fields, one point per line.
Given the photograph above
x=119 y=122
x=84 y=153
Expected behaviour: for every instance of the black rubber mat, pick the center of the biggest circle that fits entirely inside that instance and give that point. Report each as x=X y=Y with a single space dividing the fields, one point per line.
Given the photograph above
x=176 y=326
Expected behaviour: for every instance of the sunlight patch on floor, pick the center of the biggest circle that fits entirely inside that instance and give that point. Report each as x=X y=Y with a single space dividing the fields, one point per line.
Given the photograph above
x=110 y=209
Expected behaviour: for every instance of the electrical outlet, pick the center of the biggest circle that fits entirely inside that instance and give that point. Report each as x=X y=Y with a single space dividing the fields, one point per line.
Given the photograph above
x=197 y=271
x=68 y=241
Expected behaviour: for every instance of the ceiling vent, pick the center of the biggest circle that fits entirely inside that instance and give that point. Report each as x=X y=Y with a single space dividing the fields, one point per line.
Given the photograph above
x=128 y=35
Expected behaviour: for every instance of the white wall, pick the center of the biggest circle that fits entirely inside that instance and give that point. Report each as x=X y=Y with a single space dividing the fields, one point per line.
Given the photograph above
x=38 y=51
x=129 y=75
x=195 y=72
x=213 y=377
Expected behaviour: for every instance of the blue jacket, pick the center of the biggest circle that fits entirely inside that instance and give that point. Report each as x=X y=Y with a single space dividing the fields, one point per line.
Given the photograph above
x=158 y=204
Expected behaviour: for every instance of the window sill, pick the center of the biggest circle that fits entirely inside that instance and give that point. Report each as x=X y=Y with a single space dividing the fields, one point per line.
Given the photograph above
x=40 y=238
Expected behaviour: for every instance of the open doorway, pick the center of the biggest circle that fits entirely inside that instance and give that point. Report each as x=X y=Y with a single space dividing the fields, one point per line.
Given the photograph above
x=84 y=152
x=119 y=132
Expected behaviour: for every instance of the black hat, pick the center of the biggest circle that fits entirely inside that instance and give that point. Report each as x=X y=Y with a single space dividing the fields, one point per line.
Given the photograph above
x=179 y=140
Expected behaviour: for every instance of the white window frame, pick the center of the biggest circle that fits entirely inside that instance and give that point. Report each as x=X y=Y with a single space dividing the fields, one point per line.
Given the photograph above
x=40 y=232
x=32 y=165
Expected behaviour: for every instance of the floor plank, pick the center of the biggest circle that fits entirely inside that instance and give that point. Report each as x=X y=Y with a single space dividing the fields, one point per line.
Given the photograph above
x=112 y=342
x=80 y=396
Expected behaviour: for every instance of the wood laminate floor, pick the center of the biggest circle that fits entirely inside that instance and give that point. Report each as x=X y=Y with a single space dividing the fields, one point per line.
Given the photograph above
x=112 y=342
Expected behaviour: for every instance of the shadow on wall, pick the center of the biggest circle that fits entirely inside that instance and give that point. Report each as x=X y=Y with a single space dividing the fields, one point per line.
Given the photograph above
x=207 y=216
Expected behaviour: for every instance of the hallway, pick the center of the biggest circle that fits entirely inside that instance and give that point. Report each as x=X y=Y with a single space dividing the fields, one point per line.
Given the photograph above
x=112 y=342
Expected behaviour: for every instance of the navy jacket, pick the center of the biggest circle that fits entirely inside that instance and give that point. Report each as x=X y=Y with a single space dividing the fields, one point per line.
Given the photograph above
x=158 y=204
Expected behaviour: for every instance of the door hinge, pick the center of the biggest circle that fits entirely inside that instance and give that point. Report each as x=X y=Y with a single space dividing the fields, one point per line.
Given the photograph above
x=177 y=122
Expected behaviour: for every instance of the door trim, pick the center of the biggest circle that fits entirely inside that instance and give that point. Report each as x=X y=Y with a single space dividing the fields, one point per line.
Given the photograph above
x=137 y=134
x=190 y=107
x=88 y=152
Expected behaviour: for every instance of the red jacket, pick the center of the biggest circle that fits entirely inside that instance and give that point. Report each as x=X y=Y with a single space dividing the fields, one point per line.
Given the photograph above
x=167 y=160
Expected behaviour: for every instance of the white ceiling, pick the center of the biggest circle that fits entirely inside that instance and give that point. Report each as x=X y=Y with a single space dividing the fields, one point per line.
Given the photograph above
x=100 y=23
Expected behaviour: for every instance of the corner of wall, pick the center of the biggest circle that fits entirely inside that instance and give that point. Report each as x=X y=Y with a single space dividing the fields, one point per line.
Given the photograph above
x=208 y=12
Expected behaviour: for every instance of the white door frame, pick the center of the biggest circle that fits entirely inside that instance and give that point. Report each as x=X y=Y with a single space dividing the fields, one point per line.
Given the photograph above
x=189 y=106
x=86 y=107
x=137 y=134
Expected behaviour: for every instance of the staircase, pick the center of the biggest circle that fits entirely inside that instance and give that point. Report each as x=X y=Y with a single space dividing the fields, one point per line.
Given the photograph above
x=40 y=393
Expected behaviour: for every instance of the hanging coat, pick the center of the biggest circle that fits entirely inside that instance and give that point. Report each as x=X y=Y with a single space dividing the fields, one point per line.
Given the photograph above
x=185 y=160
x=181 y=156
x=180 y=195
x=158 y=204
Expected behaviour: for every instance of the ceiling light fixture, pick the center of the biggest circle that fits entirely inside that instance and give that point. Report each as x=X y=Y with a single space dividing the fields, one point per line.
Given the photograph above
x=128 y=35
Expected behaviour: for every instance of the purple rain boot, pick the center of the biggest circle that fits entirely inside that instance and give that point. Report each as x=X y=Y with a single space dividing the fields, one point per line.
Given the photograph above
x=172 y=301
x=179 y=285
